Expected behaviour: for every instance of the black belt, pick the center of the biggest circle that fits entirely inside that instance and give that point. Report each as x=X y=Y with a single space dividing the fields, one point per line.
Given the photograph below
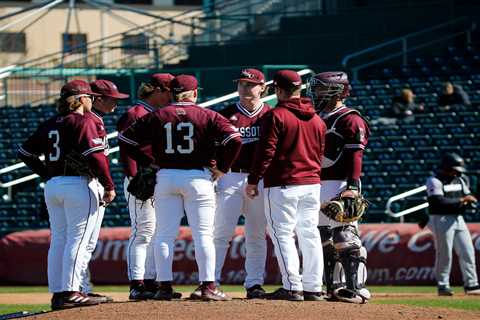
x=239 y=170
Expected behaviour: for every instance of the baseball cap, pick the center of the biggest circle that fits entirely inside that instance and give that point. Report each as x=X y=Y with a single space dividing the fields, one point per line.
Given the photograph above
x=161 y=80
x=76 y=87
x=107 y=88
x=183 y=83
x=252 y=75
x=287 y=79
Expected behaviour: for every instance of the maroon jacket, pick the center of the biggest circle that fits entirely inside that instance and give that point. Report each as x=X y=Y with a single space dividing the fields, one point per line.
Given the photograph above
x=57 y=137
x=248 y=124
x=126 y=120
x=182 y=136
x=291 y=145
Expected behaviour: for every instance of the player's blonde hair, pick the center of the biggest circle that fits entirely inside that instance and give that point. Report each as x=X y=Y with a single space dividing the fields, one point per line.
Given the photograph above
x=184 y=95
x=145 y=90
x=67 y=105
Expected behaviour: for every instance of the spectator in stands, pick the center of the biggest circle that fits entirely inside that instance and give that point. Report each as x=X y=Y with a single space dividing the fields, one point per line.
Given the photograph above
x=452 y=94
x=404 y=106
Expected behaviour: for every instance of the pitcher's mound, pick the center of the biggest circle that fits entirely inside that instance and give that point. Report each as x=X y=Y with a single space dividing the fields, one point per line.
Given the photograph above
x=241 y=309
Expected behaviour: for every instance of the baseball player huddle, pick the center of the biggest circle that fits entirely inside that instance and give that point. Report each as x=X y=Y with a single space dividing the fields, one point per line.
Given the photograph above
x=278 y=167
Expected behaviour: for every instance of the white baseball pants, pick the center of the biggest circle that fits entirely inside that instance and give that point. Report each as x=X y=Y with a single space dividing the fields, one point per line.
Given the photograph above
x=290 y=210
x=231 y=203
x=140 y=252
x=72 y=204
x=191 y=191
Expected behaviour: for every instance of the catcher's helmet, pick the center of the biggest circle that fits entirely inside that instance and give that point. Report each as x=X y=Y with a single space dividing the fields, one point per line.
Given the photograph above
x=326 y=88
x=452 y=161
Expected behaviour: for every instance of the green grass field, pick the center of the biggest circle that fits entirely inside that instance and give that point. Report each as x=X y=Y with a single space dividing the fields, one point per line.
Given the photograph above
x=466 y=303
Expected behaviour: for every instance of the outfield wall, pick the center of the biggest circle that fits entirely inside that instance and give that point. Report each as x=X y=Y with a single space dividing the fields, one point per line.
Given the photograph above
x=399 y=254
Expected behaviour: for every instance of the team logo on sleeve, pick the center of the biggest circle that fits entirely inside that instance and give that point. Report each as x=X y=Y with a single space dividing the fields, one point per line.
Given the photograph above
x=361 y=135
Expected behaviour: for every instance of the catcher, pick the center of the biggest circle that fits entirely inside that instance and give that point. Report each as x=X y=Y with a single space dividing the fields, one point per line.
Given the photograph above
x=342 y=203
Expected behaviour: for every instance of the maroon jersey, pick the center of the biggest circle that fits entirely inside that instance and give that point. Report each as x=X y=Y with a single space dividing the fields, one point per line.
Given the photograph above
x=183 y=136
x=126 y=120
x=347 y=137
x=248 y=124
x=61 y=135
x=291 y=145
x=97 y=117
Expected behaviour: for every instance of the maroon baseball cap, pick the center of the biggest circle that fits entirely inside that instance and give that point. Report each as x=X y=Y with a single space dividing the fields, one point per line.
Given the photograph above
x=252 y=75
x=107 y=88
x=183 y=83
x=76 y=87
x=287 y=79
x=161 y=80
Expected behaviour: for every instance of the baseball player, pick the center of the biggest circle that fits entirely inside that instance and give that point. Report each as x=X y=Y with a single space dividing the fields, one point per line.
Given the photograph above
x=346 y=139
x=183 y=138
x=288 y=157
x=105 y=103
x=78 y=179
x=448 y=197
x=140 y=255
x=231 y=198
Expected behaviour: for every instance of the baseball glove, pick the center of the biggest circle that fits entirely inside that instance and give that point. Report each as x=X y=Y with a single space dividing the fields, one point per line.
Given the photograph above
x=345 y=209
x=142 y=186
x=76 y=164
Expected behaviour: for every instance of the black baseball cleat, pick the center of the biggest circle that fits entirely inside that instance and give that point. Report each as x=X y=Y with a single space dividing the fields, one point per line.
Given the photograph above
x=140 y=293
x=472 y=291
x=313 y=296
x=197 y=293
x=284 y=294
x=444 y=291
x=256 y=292
x=165 y=292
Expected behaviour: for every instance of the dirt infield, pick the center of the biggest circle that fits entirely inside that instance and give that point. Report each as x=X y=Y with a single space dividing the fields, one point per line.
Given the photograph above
x=240 y=309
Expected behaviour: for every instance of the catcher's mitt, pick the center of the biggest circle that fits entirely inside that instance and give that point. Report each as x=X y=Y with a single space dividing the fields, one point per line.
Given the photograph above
x=345 y=209
x=142 y=186
x=76 y=164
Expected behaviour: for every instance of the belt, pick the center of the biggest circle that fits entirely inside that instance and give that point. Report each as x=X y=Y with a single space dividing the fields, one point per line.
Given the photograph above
x=239 y=170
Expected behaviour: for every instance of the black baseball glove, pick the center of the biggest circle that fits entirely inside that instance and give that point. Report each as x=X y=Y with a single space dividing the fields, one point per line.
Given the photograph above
x=345 y=209
x=77 y=164
x=142 y=186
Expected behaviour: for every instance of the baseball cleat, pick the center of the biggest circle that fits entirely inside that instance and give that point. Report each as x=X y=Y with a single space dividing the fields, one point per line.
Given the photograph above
x=284 y=294
x=313 y=296
x=359 y=296
x=197 y=293
x=211 y=293
x=255 y=292
x=140 y=293
x=73 y=300
x=444 y=291
x=99 y=298
x=472 y=291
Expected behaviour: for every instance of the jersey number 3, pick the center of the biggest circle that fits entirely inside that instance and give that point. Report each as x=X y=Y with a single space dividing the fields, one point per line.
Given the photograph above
x=55 y=154
x=185 y=128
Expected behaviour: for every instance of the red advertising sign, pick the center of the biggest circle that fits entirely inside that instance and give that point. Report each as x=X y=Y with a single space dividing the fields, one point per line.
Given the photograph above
x=397 y=254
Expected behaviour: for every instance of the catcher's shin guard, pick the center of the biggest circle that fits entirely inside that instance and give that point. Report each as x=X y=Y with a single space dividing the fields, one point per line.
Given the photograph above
x=329 y=257
x=354 y=266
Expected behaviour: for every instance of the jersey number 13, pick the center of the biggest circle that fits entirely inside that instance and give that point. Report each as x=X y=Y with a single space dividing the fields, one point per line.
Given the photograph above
x=185 y=130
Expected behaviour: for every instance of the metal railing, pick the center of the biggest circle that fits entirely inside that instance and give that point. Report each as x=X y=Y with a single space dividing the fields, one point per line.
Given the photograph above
x=112 y=135
x=401 y=196
x=405 y=45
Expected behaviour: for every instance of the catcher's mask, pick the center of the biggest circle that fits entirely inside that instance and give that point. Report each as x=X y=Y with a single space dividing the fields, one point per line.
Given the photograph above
x=326 y=88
